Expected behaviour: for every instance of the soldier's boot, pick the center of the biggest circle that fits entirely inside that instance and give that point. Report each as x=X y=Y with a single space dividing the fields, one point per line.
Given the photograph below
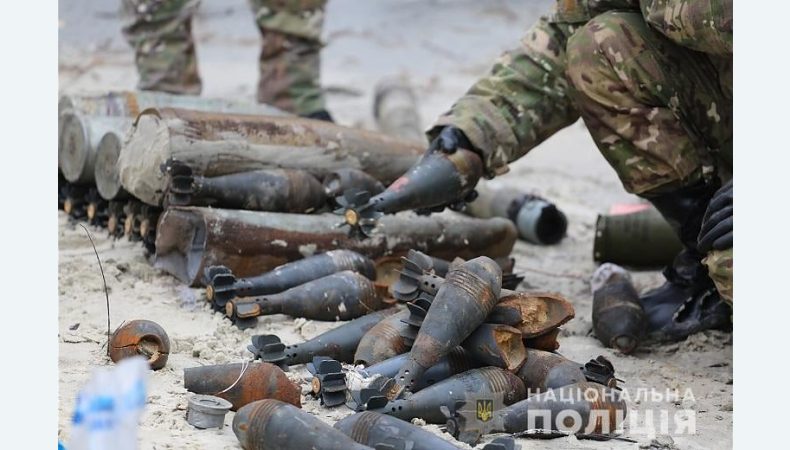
x=290 y=75
x=688 y=301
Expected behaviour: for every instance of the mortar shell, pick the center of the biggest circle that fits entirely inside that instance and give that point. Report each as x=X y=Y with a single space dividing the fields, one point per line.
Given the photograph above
x=372 y=429
x=383 y=341
x=467 y=296
x=274 y=425
x=241 y=384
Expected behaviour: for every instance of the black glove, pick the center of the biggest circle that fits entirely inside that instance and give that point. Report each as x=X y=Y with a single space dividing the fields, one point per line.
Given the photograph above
x=716 y=230
x=449 y=140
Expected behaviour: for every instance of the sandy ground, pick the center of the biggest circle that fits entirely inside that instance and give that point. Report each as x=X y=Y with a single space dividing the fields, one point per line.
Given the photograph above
x=442 y=46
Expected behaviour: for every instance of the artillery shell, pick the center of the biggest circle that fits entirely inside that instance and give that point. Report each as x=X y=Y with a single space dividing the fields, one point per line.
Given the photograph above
x=78 y=142
x=341 y=296
x=338 y=343
x=467 y=296
x=242 y=383
x=374 y=429
x=618 y=318
x=191 y=239
x=225 y=286
x=597 y=409
x=383 y=341
x=496 y=345
x=534 y=314
x=105 y=169
x=427 y=404
x=141 y=337
x=545 y=370
x=216 y=144
x=274 y=425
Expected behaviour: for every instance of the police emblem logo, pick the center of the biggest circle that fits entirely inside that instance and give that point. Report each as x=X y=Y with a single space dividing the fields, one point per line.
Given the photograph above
x=485 y=410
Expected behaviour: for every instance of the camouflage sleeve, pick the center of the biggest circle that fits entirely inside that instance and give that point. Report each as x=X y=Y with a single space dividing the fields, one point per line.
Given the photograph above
x=299 y=18
x=701 y=25
x=522 y=102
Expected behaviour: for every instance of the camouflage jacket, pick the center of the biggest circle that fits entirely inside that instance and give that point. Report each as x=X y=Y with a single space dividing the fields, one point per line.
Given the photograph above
x=524 y=99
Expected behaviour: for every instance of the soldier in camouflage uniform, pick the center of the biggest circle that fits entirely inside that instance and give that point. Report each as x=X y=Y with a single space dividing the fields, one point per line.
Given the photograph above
x=652 y=80
x=161 y=33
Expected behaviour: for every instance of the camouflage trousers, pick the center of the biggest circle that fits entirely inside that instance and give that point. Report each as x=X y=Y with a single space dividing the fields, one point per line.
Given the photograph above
x=160 y=31
x=660 y=113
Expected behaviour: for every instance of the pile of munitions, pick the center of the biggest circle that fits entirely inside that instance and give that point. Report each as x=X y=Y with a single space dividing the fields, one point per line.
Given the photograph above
x=247 y=201
x=446 y=343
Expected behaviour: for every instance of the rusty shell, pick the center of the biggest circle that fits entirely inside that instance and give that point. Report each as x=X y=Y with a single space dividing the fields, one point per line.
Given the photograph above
x=436 y=179
x=338 y=343
x=372 y=429
x=220 y=144
x=141 y=337
x=344 y=295
x=274 y=425
x=545 y=370
x=618 y=318
x=598 y=410
x=383 y=341
x=242 y=383
x=339 y=181
x=485 y=382
x=546 y=342
x=496 y=345
x=467 y=296
x=294 y=191
x=534 y=314
x=225 y=286
x=190 y=239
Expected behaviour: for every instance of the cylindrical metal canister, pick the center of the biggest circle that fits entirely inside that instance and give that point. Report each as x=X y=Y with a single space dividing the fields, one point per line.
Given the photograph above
x=641 y=239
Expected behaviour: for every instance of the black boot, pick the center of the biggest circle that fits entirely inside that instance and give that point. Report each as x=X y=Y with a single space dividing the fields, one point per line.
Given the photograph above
x=688 y=301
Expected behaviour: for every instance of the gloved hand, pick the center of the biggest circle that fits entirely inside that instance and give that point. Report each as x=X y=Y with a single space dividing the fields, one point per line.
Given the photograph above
x=716 y=230
x=449 y=140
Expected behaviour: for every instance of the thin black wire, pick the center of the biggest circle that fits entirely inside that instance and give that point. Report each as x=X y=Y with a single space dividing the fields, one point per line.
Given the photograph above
x=104 y=280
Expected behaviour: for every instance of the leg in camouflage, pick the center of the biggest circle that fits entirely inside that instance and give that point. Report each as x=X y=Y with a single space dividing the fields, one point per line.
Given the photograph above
x=160 y=31
x=655 y=109
x=290 y=58
x=657 y=112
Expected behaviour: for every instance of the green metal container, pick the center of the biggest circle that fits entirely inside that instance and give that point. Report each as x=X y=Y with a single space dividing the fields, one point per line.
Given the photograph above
x=641 y=239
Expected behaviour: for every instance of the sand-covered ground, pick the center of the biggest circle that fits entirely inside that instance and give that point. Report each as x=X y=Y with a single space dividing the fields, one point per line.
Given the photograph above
x=442 y=46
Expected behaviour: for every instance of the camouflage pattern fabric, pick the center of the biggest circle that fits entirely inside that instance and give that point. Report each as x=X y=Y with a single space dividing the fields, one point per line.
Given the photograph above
x=290 y=61
x=719 y=264
x=657 y=106
x=160 y=31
